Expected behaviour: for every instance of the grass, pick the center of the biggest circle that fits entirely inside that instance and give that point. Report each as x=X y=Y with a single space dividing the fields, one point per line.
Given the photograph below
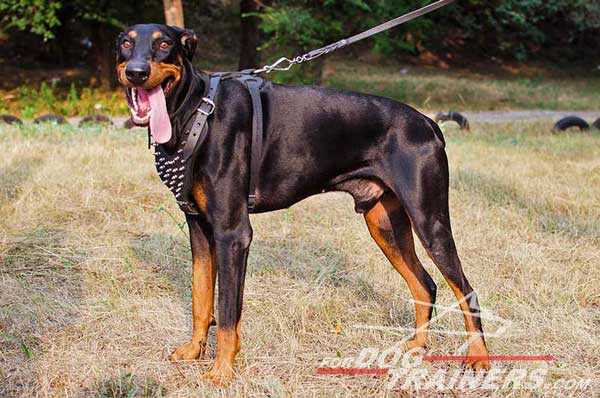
x=95 y=272
x=425 y=88
x=435 y=89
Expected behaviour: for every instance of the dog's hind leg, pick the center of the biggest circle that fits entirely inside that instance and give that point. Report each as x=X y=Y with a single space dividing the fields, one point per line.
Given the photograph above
x=420 y=180
x=389 y=226
x=203 y=287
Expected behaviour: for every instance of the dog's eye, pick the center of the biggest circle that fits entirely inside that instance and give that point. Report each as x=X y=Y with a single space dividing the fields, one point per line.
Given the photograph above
x=163 y=45
x=126 y=44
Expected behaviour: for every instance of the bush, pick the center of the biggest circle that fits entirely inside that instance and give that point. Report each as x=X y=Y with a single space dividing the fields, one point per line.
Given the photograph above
x=515 y=28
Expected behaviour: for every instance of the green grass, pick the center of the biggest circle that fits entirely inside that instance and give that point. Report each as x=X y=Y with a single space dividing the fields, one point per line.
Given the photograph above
x=95 y=271
x=461 y=90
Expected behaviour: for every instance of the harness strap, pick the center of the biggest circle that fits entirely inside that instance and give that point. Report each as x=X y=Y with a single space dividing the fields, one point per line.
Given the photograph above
x=207 y=107
x=195 y=136
x=253 y=83
x=175 y=170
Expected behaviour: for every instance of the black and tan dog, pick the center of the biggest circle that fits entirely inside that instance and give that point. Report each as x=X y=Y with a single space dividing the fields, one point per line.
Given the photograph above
x=388 y=156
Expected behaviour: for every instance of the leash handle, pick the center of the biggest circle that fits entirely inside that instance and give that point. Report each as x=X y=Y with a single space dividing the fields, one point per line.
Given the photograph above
x=284 y=63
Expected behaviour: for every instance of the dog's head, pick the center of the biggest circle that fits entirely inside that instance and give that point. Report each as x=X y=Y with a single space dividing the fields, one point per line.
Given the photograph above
x=150 y=62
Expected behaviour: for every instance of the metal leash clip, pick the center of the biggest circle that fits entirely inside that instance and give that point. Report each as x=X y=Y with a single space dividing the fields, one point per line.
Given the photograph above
x=209 y=102
x=275 y=66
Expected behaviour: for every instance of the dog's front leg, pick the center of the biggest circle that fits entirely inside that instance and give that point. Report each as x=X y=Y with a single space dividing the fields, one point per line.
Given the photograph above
x=203 y=287
x=231 y=253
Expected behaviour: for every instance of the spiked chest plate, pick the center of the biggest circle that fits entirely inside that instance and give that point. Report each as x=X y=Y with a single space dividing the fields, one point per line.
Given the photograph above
x=175 y=170
x=172 y=170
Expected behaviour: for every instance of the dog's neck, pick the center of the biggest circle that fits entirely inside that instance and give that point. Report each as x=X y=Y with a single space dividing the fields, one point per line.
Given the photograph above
x=184 y=100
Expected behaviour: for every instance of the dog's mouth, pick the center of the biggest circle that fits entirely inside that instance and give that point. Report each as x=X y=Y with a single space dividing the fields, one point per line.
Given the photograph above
x=148 y=107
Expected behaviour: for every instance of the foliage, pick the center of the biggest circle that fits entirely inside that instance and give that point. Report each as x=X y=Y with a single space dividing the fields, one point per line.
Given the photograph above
x=519 y=27
x=504 y=27
x=291 y=23
x=44 y=16
x=40 y=16
x=48 y=98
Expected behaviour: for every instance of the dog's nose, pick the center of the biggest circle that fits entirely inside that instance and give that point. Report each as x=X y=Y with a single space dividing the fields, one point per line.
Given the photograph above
x=137 y=72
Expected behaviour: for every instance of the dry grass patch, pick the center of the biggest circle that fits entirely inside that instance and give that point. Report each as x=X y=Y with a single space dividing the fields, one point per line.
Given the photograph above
x=95 y=270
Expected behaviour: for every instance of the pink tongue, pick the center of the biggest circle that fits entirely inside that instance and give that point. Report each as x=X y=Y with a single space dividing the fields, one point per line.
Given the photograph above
x=160 y=125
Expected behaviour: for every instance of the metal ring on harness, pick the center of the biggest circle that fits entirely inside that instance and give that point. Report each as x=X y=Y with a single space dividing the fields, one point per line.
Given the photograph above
x=209 y=102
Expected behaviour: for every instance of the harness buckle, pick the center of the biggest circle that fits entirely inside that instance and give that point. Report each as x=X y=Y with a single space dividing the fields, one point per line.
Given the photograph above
x=210 y=102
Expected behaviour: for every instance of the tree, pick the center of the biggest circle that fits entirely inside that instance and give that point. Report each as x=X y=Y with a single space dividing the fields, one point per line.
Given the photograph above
x=249 y=34
x=298 y=26
x=173 y=12
x=102 y=21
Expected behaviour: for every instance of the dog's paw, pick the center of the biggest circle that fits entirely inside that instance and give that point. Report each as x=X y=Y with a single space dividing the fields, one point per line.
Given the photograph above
x=477 y=356
x=414 y=345
x=189 y=352
x=219 y=375
x=477 y=365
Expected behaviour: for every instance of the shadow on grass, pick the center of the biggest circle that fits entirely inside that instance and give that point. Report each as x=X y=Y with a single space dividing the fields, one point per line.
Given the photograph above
x=316 y=263
x=167 y=256
x=127 y=386
x=15 y=175
x=311 y=262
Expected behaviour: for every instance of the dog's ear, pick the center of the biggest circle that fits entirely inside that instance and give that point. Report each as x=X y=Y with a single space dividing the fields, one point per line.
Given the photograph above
x=118 y=45
x=188 y=39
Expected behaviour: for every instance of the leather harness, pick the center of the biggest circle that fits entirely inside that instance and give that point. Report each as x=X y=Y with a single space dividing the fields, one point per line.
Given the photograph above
x=175 y=170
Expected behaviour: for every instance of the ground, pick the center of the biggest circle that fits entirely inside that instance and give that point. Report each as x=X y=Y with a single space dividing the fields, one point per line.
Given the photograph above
x=95 y=269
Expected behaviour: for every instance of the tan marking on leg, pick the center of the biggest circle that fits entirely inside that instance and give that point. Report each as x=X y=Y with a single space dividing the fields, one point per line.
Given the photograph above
x=228 y=345
x=203 y=289
x=406 y=263
x=199 y=196
x=477 y=347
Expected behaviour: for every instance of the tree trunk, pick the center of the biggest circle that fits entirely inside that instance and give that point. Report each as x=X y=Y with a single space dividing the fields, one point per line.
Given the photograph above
x=250 y=35
x=173 y=12
x=102 y=55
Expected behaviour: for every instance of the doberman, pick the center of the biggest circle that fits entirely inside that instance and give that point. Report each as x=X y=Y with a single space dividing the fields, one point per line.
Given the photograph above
x=387 y=155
